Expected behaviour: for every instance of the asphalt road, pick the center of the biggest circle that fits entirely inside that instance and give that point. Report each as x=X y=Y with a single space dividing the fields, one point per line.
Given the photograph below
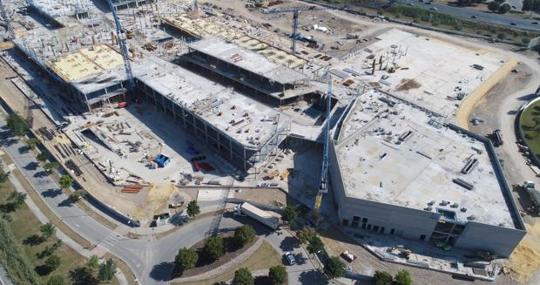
x=4 y=278
x=468 y=14
x=480 y=16
x=151 y=260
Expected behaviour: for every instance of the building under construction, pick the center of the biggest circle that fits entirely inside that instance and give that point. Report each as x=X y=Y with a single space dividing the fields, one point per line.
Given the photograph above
x=400 y=170
x=275 y=84
x=240 y=128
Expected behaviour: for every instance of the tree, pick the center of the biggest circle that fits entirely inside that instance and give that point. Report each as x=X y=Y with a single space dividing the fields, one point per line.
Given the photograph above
x=243 y=276
x=107 y=270
x=403 y=277
x=493 y=6
x=51 y=165
x=278 y=275
x=290 y=213
x=334 y=268
x=16 y=200
x=315 y=244
x=77 y=195
x=3 y=176
x=66 y=181
x=93 y=262
x=41 y=157
x=214 y=248
x=32 y=143
x=17 y=125
x=243 y=235
x=83 y=276
x=52 y=262
x=185 y=259
x=193 y=209
x=56 y=280
x=305 y=235
x=504 y=8
x=528 y=5
x=382 y=278
x=47 y=230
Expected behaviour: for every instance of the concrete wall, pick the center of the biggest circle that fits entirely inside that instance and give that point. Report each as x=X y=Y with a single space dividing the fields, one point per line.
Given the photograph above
x=405 y=222
x=501 y=241
x=412 y=224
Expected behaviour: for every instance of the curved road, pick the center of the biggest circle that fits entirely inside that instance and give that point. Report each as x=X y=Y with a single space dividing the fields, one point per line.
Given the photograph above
x=150 y=259
x=480 y=16
x=459 y=12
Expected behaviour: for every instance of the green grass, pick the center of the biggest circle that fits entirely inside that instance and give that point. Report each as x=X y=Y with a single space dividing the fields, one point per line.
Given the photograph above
x=530 y=124
x=439 y=20
x=24 y=224
x=264 y=257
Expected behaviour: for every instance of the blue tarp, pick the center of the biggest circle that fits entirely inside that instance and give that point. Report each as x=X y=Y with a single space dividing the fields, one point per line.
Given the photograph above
x=162 y=160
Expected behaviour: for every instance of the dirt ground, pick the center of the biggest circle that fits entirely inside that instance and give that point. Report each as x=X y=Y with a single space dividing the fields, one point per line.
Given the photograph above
x=282 y=23
x=525 y=261
x=366 y=263
x=273 y=197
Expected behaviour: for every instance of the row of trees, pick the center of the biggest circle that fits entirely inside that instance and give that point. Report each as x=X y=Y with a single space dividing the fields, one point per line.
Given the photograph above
x=92 y=273
x=213 y=249
x=384 y=278
x=277 y=276
x=333 y=266
x=499 y=6
x=531 y=5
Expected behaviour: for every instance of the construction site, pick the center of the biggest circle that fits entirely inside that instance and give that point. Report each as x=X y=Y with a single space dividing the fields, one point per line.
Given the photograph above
x=166 y=97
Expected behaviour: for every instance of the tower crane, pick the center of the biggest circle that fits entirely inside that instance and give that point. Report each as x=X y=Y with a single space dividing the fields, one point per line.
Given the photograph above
x=7 y=20
x=296 y=14
x=323 y=184
x=122 y=41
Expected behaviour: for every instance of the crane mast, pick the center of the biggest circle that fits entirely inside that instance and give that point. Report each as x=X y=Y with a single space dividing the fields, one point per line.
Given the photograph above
x=296 y=16
x=323 y=185
x=122 y=41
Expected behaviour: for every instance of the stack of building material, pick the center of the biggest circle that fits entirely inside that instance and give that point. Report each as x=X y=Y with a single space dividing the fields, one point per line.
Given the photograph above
x=136 y=188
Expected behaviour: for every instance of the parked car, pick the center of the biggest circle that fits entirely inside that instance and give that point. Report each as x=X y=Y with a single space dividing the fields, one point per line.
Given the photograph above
x=289 y=257
x=348 y=256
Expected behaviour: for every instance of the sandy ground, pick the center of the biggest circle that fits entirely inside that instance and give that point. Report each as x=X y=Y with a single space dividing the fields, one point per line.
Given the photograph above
x=274 y=197
x=525 y=261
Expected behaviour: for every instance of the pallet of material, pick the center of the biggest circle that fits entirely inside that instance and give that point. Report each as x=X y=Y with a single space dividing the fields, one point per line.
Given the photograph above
x=131 y=190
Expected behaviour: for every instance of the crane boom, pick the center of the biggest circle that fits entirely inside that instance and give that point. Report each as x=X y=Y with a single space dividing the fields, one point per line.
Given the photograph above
x=323 y=186
x=123 y=47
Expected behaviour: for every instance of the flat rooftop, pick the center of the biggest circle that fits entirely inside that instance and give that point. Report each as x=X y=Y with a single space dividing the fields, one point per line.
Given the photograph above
x=63 y=8
x=209 y=27
x=407 y=157
x=86 y=62
x=426 y=71
x=248 y=60
x=241 y=118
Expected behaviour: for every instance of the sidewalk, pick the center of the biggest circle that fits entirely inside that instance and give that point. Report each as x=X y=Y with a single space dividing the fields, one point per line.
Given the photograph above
x=59 y=234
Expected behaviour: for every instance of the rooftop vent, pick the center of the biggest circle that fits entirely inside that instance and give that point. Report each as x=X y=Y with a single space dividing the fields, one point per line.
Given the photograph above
x=444 y=203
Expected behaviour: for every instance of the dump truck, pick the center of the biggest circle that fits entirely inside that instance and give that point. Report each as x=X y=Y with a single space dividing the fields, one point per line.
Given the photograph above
x=267 y=218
